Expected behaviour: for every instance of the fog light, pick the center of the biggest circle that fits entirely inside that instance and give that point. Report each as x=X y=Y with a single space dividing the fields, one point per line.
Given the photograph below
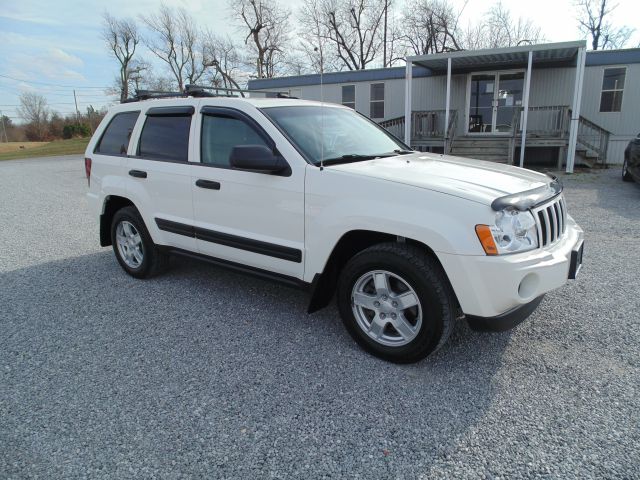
x=528 y=286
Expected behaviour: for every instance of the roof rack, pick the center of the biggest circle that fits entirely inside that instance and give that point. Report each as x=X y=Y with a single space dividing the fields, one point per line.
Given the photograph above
x=200 y=91
x=229 y=92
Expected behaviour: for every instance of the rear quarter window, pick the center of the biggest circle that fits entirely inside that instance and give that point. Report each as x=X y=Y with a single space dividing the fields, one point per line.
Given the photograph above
x=116 y=137
x=165 y=138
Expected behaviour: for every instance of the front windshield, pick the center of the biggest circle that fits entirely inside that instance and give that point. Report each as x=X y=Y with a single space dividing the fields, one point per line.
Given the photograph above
x=330 y=133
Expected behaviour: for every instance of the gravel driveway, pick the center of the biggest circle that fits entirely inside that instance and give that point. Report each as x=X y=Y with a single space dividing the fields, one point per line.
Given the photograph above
x=206 y=373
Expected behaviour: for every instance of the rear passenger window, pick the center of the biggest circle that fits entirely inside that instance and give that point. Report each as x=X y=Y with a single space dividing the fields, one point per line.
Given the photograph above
x=165 y=138
x=221 y=134
x=115 y=139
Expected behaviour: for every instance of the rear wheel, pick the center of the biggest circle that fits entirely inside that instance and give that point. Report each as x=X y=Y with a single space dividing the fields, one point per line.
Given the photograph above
x=134 y=249
x=396 y=302
x=626 y=176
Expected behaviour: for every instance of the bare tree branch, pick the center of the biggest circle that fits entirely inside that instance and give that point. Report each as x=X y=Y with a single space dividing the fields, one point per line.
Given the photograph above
x=430 y=26
x=34 y=111
x=265 y=23
x=498 y=29
x=222 y=54
x=176 y=40
x=594 y=22
x=353 y=29
x=315 y=46
x=122 y=38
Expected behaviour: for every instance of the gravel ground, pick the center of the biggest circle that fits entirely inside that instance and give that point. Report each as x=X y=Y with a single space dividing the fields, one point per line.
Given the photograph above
x=206 y=373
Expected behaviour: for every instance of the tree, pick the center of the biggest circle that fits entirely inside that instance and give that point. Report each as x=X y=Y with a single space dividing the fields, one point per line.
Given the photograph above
x=498 y=29
x=265 y=22
x=122 y=39
x=6 y=127
x=431 y=26
x=314 y=46
x=354 y=30
x=138 y=74
x=34 y=111
x=176 y=40
x=594 y=23
x=222 y=54
x=94 y=117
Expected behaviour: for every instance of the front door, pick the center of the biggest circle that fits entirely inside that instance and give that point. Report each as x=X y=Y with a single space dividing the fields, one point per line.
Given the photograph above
x=251 y=218
x=495 y=100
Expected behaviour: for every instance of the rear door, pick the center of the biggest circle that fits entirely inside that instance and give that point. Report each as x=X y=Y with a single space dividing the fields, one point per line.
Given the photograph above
x=159 y=175
x=251 y=218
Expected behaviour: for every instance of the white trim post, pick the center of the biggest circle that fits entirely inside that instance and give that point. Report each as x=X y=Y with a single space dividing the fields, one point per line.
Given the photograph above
x=407 y=103
x=446 y=110
x=525 y=107
x=575 y=110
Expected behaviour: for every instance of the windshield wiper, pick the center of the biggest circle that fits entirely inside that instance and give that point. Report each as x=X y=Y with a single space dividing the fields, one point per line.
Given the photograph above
x=354 y=157
x=351 y=157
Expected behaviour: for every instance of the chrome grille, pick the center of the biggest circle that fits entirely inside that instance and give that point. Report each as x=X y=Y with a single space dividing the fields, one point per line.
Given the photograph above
x=551 y=219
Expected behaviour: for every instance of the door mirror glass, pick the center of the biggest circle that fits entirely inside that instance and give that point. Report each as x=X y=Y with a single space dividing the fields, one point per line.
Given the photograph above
x=257 y=158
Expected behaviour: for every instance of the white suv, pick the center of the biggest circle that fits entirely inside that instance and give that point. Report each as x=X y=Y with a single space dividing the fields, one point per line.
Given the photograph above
x=319 y=196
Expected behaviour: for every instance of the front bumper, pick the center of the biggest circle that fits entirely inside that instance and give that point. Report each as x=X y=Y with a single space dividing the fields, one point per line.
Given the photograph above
x=506 y=321
x=492 y=286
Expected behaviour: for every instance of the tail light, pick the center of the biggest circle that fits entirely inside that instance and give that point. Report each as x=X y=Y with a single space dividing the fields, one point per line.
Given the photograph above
x=87 y=170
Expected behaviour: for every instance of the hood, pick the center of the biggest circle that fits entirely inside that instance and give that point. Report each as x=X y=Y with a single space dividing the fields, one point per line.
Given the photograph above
x=475 y=180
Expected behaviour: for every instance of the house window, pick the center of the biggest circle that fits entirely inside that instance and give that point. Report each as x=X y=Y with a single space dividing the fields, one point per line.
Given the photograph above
x=349 y=96
x=376 y=104
x=612 y=88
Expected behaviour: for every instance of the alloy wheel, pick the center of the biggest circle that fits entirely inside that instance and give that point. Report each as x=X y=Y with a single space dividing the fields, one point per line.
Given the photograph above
x=386 y=308
x=129 y=244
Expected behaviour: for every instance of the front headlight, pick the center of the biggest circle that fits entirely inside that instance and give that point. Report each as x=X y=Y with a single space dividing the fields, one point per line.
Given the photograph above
x=514 y=231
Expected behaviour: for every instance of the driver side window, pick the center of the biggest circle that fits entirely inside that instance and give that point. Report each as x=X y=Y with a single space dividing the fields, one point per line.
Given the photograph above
x=220 y=134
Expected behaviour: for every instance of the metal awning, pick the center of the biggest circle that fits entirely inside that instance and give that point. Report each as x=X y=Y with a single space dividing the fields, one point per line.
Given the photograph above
x=550 y=54
x=545 y=55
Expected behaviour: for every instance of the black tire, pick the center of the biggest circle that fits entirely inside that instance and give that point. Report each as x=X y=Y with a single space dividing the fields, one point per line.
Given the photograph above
x=153 y=259
x=626 y=176
x=422 y=273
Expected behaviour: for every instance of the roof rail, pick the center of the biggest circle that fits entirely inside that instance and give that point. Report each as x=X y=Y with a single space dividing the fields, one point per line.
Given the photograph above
x=199 y=91
x=229 y=92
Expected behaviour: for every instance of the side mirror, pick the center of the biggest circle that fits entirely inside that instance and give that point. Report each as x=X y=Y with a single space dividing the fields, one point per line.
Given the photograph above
x=257 y=158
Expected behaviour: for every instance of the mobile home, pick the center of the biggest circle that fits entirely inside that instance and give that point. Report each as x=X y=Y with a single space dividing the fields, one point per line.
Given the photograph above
x=566 y=105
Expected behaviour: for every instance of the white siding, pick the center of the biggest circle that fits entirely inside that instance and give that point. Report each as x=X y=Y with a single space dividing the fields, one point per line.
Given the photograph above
x=549 y=86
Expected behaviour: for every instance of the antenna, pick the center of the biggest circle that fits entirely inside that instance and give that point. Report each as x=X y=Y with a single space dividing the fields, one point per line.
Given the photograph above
x=321 y=111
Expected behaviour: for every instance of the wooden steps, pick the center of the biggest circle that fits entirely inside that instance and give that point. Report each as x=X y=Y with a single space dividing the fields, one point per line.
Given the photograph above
x=494 y=149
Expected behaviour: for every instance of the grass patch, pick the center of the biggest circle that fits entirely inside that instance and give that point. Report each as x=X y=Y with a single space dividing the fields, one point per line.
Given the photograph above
x=16 y=146
x=37 y=149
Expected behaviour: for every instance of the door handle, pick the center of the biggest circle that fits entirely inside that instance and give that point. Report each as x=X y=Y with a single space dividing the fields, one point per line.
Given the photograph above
x=138 y=173
x=210 y=184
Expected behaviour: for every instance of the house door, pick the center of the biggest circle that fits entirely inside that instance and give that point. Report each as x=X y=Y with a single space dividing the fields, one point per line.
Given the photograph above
x=494 y=101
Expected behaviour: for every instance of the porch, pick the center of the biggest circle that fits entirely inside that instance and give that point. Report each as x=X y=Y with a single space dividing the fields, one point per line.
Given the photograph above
x=493 y=117
x=547 y=126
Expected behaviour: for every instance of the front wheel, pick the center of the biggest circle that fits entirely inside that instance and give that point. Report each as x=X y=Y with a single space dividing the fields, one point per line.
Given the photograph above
x=626 y=176
x=396 y=302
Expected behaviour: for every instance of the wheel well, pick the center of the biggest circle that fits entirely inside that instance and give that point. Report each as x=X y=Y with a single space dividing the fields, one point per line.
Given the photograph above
x=351 y=243
x=112 y=204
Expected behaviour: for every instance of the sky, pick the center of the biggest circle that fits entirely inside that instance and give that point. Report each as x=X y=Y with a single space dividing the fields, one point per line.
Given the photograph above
x=54 y=47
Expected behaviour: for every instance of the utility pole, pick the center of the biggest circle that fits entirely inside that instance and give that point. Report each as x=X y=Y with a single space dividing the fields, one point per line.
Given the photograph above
x=4 y=130
x=77 y=112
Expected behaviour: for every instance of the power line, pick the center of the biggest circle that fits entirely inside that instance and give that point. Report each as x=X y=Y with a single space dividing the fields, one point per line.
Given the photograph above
x=69 y=93
x=85 y=102
x=46 y=83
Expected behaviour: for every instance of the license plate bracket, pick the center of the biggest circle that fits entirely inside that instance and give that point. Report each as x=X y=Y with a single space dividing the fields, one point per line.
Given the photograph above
x=576 y=260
